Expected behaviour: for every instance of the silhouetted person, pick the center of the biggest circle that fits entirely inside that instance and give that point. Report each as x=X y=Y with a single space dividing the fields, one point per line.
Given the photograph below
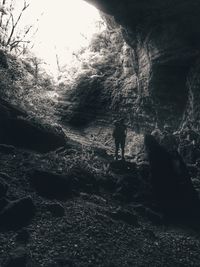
x=119 y=135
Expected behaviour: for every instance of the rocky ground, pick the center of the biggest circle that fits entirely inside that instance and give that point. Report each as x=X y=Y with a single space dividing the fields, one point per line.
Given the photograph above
x=98 y=222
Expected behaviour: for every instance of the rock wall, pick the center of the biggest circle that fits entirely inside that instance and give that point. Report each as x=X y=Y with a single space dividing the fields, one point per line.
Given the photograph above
x=165 y=38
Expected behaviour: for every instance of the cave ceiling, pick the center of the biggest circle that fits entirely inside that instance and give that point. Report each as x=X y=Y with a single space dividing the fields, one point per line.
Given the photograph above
x=145 y=16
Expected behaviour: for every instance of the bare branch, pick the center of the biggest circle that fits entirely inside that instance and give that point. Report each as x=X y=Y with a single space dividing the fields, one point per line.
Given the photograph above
x=12 y=37
x=6 y=29
x=16 y=43
x=2 y=12
x=17 y=21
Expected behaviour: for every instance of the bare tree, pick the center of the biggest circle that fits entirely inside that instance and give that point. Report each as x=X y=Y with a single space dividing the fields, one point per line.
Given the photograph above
x=12 y=37
x=15 y=23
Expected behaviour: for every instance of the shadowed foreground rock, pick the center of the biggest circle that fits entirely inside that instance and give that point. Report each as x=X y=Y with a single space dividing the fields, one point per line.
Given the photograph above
x=30 y=135
x=17 y=131
x=50 y=185
x=55 y=186
x=171 y=182
x=17 y=213
x=8 y=110
x=61 y=187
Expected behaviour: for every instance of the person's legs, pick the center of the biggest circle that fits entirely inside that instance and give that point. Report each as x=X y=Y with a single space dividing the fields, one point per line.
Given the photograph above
x=123 y=147
x=116 y=149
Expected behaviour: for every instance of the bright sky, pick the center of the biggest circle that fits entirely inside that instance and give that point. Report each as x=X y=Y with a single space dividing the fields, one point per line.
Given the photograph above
x=64 y=27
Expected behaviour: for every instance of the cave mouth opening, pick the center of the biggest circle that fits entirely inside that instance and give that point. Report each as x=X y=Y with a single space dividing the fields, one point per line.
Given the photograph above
x=88 y=56
x=64 y=29
x=70 y=43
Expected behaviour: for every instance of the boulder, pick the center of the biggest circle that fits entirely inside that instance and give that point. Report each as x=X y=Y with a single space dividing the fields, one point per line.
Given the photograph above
x=171 y=183
x=56 y=186
x=51 y=185
x=30 y=135
x=17 y=213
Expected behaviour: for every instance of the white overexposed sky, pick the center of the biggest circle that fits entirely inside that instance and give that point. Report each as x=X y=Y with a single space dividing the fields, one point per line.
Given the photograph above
x=64 y=26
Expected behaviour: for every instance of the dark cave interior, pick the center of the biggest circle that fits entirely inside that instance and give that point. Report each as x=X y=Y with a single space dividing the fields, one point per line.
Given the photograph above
x=64 y=199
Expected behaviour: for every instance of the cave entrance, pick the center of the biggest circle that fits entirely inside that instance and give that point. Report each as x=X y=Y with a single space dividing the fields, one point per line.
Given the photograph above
x=70 y=49
x=64 y=29
x=86 y=54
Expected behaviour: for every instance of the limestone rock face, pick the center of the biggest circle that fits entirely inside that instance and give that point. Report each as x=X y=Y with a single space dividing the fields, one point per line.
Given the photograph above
x=165 y=38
